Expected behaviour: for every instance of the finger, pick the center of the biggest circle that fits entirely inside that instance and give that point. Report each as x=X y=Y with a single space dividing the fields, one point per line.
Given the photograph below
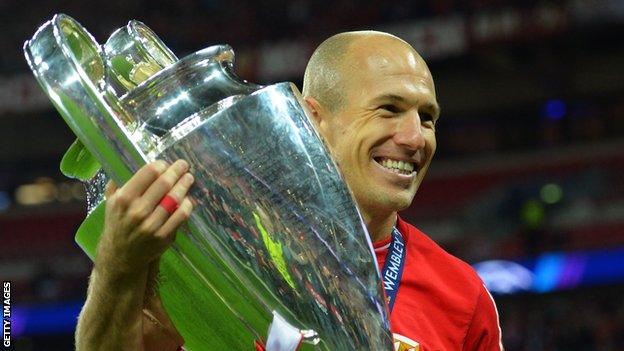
x=167 y=231
x=160 y=215
x=165 y=183
x=110 y=189
x=144 y=178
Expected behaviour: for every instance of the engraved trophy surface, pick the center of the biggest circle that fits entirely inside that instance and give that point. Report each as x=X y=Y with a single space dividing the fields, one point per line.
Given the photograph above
x=275 y=229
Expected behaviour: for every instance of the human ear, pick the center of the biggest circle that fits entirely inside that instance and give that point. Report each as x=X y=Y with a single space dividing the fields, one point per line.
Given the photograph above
x=320 y=117
x=314 y=107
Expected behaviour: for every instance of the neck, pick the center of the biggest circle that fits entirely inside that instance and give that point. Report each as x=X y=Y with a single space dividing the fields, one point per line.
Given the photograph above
x=379 y=228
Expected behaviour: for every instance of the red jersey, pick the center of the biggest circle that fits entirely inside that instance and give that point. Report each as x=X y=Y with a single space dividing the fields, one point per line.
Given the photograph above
x=441 y=303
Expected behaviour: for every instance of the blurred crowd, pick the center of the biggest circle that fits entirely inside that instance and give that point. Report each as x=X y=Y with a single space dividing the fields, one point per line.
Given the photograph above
x=190 y=24
x=587 y=319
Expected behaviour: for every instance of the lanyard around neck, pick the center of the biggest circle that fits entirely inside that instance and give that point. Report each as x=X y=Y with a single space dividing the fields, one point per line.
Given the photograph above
x=393 y=267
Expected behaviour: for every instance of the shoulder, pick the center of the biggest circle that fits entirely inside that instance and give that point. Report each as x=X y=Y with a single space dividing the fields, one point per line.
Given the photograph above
x=439 y=261
x=457 y=284
x=484 y=332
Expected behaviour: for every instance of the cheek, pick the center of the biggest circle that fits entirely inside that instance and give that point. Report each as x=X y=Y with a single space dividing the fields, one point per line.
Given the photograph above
x=337 y=142
x=429 y=151
x=328 y=133
x=430 y=148
x=430 y=144
x=349 y=135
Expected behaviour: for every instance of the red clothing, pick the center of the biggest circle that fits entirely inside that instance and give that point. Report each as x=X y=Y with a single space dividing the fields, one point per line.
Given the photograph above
x=441 y=303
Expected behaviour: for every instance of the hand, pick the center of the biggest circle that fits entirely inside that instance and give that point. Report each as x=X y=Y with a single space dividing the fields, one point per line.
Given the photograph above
x=136 y=229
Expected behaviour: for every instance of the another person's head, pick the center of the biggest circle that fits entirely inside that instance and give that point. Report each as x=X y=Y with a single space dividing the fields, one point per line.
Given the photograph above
x=373 y=100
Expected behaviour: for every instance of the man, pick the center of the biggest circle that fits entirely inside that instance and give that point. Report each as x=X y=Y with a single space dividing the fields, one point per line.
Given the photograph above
x=373 y=100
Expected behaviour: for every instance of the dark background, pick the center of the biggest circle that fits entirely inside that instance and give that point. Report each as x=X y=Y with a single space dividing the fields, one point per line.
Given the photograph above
x=530 y=144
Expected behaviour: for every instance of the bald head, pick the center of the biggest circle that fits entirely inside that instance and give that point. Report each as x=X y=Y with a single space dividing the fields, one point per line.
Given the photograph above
x=329 y=67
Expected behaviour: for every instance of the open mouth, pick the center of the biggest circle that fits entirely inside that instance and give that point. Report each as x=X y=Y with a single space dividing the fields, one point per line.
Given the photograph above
x=396 y=166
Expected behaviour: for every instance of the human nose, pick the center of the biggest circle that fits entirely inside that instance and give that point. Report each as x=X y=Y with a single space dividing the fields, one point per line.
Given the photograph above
x=409 y=132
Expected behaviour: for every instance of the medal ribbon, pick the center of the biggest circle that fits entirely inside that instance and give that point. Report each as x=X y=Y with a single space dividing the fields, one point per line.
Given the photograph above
x=393 y=267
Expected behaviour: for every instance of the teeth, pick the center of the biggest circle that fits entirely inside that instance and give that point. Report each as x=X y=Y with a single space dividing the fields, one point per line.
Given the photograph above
x=397 y=166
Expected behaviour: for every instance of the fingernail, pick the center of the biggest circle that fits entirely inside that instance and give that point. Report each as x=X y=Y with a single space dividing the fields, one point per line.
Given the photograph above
x=161 y=165
x=183 y=164
x=188 y=178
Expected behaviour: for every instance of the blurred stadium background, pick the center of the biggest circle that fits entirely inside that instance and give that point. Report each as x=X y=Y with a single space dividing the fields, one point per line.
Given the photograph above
x=527 y=184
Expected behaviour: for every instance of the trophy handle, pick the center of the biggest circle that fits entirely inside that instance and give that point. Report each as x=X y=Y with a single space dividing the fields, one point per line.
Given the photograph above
x=133 y=54
x=190 y=85
x=67 y=62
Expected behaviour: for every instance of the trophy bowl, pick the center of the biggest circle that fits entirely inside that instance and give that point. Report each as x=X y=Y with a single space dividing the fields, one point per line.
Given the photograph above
x=275 y=230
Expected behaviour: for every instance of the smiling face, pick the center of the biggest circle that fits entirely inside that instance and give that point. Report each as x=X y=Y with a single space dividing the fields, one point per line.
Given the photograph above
x=383 y=135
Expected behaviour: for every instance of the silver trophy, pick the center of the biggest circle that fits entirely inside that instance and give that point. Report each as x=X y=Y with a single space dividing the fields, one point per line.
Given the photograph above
x=275 y=231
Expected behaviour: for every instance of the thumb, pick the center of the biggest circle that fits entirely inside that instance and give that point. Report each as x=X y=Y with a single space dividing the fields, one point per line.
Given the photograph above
x=110 y=189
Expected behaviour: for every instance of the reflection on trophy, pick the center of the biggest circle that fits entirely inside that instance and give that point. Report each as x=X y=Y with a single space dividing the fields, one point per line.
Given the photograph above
x=275 y=232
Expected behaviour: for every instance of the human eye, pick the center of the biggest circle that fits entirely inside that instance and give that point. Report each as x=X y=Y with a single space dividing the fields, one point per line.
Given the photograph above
x=427 y=119
x=390 y=108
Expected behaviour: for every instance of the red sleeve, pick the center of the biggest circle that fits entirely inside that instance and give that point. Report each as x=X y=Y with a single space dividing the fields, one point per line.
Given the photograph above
x=484 y=333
